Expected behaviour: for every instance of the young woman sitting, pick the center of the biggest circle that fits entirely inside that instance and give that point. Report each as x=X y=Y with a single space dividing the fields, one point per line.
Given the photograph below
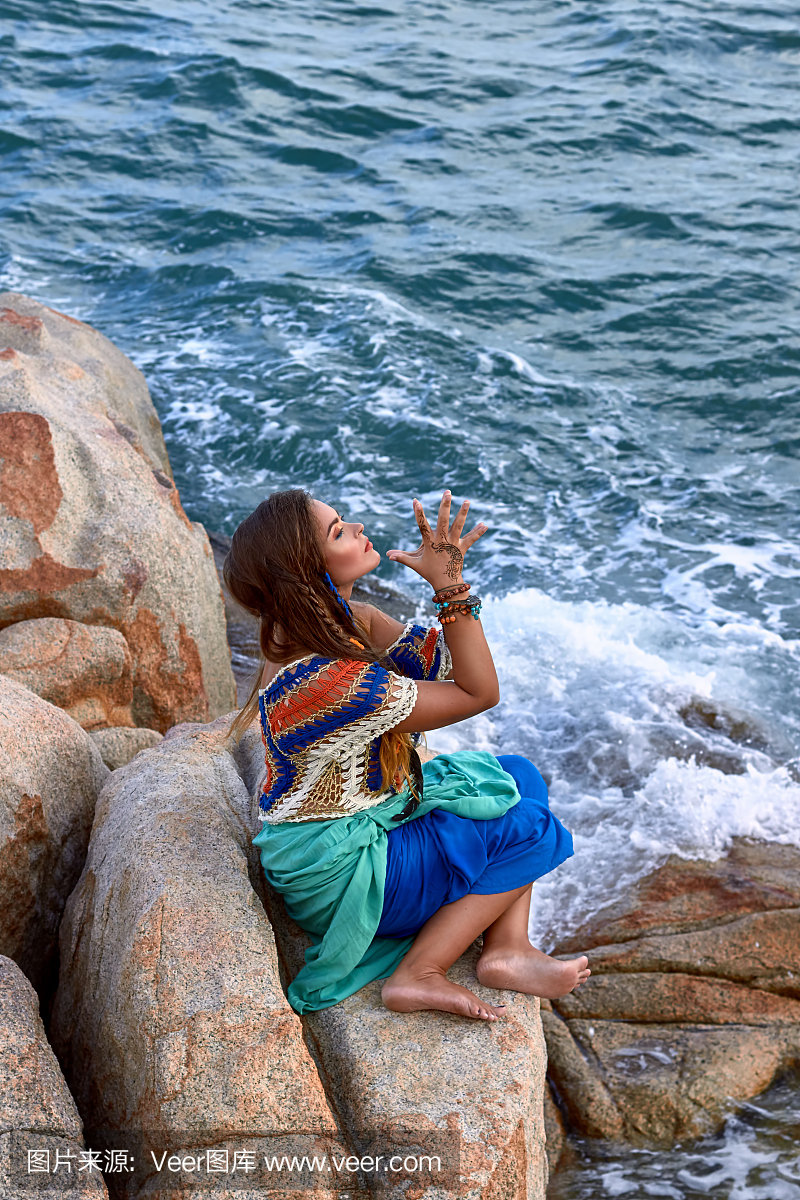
x=393 y=869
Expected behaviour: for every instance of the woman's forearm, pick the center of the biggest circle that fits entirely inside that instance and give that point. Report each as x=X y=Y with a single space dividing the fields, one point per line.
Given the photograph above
x=473 y=667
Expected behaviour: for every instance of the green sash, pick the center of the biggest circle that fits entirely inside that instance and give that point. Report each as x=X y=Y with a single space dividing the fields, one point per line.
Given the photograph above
x=332 y=874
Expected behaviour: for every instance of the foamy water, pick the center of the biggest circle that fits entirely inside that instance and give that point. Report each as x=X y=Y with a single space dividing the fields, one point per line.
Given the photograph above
x=612 y=703
x=754 y=1157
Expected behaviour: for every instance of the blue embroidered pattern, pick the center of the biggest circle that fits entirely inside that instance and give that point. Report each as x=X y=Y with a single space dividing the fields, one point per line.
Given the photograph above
x=337 y=710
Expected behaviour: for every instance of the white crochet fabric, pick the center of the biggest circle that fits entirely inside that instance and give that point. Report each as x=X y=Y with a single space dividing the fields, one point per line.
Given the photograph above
x=331 y=775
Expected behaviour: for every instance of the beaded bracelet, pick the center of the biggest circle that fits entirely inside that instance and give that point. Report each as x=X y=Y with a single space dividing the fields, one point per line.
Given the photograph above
x=448 y=593
x=448 y=609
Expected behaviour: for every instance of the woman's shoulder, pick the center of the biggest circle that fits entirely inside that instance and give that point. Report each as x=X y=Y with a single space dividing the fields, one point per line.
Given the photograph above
x=314 y=696
x=315 y=672
x=287 y=675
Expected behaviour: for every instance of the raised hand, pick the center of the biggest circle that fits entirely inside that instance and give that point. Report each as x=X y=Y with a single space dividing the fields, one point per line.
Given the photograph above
x=440 y=556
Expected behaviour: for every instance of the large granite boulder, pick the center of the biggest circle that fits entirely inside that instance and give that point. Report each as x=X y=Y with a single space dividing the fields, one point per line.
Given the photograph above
x=170 y=1020
x=118 y=746
x=430 y=1083
x=37 y=1112
x=92 y=523
x=84 y=669
x=98 y=375
x=693 y=1004
x=50 y=776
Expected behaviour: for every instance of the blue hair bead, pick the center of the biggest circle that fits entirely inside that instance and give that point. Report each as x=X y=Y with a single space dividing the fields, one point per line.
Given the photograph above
x=340 y=598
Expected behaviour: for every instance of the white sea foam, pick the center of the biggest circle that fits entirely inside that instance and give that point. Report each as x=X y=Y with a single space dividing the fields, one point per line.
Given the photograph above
x=754 y=1157
x=612 y=702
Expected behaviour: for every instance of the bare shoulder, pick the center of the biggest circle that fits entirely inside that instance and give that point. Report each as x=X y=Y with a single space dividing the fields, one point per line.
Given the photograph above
x=384 y=630
x=268 y=674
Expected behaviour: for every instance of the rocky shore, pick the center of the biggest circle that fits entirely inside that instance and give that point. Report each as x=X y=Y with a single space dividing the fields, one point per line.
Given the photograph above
x=136 y=920
x=138 y=934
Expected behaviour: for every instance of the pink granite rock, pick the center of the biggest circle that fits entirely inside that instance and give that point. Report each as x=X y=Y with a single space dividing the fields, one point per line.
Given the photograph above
x=693 y=1005
x=50 y=776
x=37 y=1112
x=84 y=669
x=93 y=526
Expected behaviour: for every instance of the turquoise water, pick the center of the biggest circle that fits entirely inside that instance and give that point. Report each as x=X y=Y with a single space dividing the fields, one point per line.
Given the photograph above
x=542 y=254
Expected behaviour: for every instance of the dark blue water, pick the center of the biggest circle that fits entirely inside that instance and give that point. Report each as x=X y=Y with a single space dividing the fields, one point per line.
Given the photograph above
x=545 y=254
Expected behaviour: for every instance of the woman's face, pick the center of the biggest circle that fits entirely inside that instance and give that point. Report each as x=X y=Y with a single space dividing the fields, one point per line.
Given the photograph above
x=349 y=553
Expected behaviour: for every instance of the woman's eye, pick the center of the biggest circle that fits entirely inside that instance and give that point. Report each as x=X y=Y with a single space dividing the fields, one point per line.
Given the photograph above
x=339 y=534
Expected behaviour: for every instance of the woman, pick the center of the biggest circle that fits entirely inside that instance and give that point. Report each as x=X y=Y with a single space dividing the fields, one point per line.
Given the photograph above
x=393 y=870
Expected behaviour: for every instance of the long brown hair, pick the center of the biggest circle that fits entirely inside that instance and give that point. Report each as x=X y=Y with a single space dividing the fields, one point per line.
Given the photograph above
x=276 y=570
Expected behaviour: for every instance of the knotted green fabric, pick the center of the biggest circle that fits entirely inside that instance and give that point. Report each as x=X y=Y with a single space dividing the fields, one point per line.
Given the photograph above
x=332 y=874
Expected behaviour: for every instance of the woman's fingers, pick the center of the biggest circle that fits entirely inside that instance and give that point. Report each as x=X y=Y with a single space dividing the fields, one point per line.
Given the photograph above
x=443 y=521
x=458 y=524
x=445 y=535
x=407 y=557
x=422 y=521
x=473 y=536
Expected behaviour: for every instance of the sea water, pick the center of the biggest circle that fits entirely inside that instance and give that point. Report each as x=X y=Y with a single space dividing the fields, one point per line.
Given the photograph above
x=542 y=254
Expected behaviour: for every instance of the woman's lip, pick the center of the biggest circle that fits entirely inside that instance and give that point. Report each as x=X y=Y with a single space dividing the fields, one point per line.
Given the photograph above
x=368 y=546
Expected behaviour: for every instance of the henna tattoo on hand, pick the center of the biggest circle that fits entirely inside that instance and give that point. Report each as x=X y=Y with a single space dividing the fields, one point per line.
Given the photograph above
x=453 y=568
x=425 y=528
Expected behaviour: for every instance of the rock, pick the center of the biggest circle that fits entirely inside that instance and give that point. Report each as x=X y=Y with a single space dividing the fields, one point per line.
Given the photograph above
x=673 y=997
x=84 y=669
x=92 y=523
x=694 y=1000
x=429 y=1081
x=37 y=1112
x=695 y=894
x=118 y=746
x=50 y=776
x=590 y=1106
x=169 y=1016
x=90 y=368
x=555 y=1131
x=179 y=730
x=673 y=1082
x=736 y=725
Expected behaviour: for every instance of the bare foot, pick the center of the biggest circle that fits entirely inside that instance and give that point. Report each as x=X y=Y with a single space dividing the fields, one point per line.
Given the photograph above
x=533 y=972
x=411 y=992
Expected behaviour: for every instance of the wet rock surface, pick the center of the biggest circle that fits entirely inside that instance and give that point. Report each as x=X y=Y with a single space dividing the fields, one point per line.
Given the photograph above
x=37 y=1112
x=51 y=774
x=693 y=1005
x=94 y=531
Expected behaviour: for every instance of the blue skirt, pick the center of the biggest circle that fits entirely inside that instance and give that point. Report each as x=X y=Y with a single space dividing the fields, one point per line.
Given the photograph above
x=441 y=857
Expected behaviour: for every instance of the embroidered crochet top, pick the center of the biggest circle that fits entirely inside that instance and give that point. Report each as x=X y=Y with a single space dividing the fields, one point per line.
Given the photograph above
x=321 y=724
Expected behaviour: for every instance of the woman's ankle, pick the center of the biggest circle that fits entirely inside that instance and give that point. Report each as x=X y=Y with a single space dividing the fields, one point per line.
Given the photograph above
x=417 y=971
x=504 y=949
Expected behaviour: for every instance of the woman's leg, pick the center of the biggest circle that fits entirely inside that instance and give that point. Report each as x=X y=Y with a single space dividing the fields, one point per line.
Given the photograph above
x=508 y=959
x=421 y=982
